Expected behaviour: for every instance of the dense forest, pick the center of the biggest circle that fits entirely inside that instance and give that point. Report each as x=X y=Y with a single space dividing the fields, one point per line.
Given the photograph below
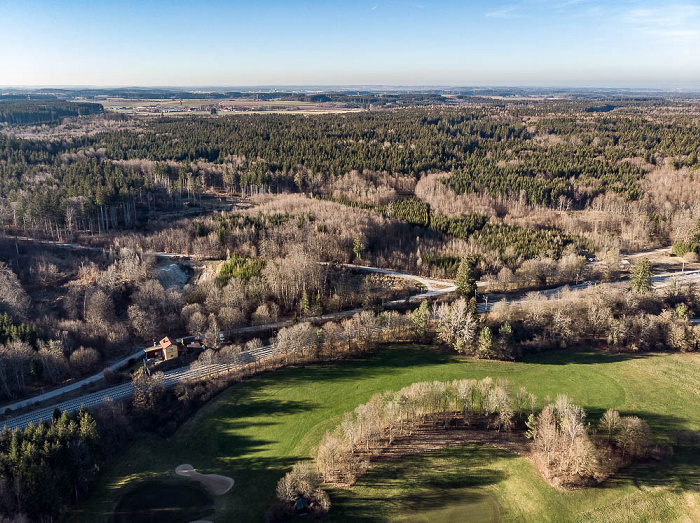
x=528 y=191
x=21 y=112
x=487 y=149
x=565 y=160
x=264 y=213
x=44 y=467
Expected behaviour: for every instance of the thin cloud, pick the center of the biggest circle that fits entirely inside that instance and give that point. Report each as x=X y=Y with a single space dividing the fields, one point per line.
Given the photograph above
x=533 y=7
x=503 y=12
x=674 y=22
x=569 y=3
x=404 y=3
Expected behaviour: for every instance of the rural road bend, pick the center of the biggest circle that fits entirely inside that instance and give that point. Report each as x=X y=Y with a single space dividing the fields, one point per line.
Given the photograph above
x=433 y=288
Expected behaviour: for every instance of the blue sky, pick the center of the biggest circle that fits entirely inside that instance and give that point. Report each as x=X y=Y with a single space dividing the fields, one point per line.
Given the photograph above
x=377 y=42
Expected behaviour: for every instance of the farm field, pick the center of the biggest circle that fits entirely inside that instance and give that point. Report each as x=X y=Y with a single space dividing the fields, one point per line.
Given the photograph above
x=196 y=102
x=256 y=430
x=240 y=106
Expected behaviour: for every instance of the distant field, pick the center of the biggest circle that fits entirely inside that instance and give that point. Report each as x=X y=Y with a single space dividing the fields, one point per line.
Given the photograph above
x=240 y=106
x=257 y=429
x=198 y=102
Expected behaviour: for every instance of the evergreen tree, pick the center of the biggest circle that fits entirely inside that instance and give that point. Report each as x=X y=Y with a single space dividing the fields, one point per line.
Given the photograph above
x=485 y=343
x=641 y=276
x=358 y=247
x=506 y=340
x=419 y=320
x=304 y=304
x=466 y=278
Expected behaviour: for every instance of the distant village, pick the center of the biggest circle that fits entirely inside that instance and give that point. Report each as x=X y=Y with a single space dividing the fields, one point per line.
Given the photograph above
x=213 y=108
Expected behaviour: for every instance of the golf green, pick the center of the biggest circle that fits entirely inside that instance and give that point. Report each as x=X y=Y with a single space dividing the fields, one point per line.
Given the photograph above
x=257 y=429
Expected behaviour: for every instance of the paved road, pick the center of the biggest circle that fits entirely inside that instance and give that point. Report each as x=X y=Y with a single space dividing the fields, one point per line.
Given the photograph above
x=659 y=281
x=125 y=390
x=641 y=254
x=73 y=386
x=433 y=288
x=667 y=279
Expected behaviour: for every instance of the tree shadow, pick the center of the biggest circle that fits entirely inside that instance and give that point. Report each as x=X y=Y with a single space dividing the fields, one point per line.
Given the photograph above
x=158 y=501
x=383 y=362
x=679 y=472
x=582 y=357
x=676 y=464
x=417 y=484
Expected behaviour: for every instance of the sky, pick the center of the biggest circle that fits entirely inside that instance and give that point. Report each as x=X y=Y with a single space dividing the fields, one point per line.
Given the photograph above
x=585 y=43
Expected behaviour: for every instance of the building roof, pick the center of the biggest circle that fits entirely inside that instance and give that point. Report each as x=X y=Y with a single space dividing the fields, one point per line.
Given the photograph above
x=165 y=343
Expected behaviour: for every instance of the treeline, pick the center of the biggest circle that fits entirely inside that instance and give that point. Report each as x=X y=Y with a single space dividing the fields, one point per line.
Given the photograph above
x=359 y=98
x=87 y=192
x=604 y=316
x=567 y=450
x=16 y=112
x=11 y=331
x=514 y=244
x=45 y=468
x=560 y=161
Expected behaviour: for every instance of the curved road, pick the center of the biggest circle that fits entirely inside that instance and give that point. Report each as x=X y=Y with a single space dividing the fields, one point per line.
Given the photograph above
x=125 y=390
x=433 y=288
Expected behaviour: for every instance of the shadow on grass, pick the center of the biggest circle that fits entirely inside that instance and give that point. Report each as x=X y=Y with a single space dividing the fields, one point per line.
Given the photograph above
x=419 y=484
x=680 y=472
x=221 y=440
x=382 y=362
x=581 y=357
x=156 y=501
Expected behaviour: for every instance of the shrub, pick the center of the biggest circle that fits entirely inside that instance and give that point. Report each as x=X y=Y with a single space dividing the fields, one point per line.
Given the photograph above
x=240 y=267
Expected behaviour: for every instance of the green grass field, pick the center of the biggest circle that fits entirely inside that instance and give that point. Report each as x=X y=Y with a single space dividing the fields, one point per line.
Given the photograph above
x=182 y=501
x=256 y=430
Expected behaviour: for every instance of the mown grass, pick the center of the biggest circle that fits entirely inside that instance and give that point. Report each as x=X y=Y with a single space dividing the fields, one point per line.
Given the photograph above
x=256 y=430
x=181 y=501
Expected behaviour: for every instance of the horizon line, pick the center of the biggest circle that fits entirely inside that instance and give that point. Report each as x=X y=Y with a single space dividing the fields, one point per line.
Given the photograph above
x=631 y=87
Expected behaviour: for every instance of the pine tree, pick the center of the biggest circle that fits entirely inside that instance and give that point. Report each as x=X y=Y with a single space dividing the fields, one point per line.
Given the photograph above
x=641 y=276
x=485 y=343
x=358 y=247
x=419 y=320
x=506 y=341
x=304 y=304
x=466 y=279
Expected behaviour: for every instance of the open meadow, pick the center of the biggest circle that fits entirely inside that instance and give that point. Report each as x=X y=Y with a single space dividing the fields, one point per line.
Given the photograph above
x=257 y=429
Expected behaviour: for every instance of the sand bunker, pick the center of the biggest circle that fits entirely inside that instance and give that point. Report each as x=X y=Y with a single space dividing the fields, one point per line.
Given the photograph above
x=218 y=484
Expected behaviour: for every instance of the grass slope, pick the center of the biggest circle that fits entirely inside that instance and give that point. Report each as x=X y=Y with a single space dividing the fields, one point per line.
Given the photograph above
x=256 y=430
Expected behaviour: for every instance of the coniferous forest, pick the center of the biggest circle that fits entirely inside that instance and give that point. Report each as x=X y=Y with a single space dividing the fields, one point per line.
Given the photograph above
x=216 y=227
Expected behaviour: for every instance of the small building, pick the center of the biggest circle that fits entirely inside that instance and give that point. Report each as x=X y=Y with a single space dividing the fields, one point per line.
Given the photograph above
x=194 y=346
x=153 y=352
x=170 y=349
